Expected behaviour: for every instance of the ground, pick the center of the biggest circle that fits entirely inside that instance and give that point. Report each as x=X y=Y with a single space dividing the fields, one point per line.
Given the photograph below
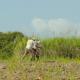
x=39 y=70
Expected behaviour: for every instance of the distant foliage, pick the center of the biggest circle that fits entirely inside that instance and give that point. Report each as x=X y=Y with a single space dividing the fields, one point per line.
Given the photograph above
x=8 y=42
x=13 y=43
x=66 y=47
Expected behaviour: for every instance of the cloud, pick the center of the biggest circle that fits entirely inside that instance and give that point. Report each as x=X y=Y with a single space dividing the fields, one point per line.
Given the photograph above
x=61 y=27
x=56 y=27
x=39 y=24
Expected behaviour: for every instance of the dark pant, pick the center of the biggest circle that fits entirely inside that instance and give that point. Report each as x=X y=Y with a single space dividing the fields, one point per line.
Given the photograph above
x=35 y=54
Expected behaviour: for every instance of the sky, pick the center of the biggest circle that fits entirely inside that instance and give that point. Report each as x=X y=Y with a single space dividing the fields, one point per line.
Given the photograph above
x=45 y=18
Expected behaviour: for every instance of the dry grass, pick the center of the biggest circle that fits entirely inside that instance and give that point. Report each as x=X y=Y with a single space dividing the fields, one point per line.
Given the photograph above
x=59 y=69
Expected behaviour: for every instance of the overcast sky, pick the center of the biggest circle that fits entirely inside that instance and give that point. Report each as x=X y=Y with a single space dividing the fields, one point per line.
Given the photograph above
x=45 y=18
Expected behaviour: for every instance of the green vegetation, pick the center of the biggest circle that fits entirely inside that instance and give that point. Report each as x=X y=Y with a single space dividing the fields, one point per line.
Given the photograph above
x=62 y=47
x=13 y=43
x=59 y=59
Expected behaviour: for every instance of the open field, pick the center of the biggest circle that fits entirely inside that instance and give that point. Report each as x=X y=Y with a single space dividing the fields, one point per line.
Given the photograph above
x=59 y=59
x=44 y=69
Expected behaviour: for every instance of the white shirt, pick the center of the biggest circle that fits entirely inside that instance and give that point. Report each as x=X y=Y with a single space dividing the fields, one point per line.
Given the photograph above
x=30 y=44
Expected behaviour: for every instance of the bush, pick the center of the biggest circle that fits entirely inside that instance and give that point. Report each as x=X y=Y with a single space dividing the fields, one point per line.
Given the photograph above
x=9 y=42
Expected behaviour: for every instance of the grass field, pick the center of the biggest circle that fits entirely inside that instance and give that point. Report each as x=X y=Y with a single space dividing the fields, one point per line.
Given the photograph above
x=59 y=59
x=44 y=69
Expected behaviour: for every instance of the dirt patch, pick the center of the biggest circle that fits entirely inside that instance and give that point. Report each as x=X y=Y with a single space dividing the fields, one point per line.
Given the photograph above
x=49 y=70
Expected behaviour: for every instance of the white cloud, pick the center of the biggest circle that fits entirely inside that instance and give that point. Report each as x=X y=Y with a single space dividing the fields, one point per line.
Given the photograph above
x=56 y=27
x=39 y=24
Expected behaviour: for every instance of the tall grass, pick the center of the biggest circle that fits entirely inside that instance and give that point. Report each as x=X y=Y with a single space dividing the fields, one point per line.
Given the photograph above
x=65 y=47
x=13 y=44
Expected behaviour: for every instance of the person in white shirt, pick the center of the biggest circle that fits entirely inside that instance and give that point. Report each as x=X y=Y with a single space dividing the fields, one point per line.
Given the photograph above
x=32 y=47
x=30 y=44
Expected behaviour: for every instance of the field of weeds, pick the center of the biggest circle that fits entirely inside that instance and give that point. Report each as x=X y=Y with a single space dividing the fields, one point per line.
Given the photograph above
x=59 y=59
x=45 y=69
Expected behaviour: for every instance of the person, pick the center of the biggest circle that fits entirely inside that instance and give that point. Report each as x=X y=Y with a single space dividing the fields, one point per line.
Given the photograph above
x=29 y=46
x=32 y=47
x=35 y=49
